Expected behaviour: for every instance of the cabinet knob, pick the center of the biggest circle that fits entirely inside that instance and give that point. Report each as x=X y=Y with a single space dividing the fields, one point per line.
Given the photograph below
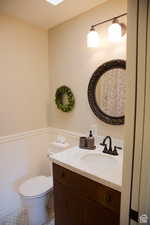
x=63 y=174
x=108 y=198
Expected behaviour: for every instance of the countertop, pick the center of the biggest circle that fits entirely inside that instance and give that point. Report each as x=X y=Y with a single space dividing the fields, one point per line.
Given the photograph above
x=106 y=171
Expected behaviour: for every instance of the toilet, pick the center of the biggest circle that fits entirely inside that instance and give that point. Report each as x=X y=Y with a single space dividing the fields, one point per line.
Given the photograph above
x=35 y=194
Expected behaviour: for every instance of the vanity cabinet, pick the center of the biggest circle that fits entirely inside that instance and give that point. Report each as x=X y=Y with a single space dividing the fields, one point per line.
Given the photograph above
x=81 y=201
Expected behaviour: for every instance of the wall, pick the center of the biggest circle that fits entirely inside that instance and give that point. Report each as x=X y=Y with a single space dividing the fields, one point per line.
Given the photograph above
x=72 y=63
x=24 y=81
x=24 y=97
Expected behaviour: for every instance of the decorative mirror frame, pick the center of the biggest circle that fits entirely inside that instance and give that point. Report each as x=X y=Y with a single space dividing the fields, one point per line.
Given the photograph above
x=113 y=64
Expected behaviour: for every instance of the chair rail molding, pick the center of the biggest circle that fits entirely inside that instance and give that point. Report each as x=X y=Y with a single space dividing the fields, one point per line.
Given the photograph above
x=22 y=135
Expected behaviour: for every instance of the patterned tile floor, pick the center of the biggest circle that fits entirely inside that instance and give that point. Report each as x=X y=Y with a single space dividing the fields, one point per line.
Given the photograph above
x=14 y=221
x=19 y=218
x=16 y=218
x=19 y=222
x=52 y=222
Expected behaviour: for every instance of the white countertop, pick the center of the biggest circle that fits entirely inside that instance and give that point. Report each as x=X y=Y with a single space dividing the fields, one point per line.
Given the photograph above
x=93 y=164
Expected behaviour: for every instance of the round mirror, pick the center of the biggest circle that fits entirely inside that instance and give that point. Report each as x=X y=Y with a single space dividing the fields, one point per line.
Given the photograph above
x=106 y=92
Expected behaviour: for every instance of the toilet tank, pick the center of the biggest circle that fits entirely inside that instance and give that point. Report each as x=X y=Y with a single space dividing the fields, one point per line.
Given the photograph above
x=55 y=147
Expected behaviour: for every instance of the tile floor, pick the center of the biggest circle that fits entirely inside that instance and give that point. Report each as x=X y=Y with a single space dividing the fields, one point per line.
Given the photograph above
x=19 y=218
x=14 y=221
x=52 y=222
x=16 y=218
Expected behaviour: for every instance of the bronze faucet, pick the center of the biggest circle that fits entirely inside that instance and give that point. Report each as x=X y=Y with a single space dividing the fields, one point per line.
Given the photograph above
x=108 y=150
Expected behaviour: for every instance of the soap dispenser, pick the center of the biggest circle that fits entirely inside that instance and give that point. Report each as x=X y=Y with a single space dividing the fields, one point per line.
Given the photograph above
x=91 y=141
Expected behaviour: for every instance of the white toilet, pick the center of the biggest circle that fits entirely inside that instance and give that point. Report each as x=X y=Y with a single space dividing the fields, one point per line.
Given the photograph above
x=35 y=194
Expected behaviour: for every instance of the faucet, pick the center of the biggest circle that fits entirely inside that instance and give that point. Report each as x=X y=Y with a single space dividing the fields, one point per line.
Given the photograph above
x=108 y=150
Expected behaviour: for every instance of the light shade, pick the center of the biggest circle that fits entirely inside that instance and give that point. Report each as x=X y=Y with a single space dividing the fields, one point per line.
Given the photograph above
x=114 y=32
x=55 y=2
x=93 y=39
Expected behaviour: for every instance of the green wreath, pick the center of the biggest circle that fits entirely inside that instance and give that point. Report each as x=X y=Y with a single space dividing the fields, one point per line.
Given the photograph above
x=60 y=92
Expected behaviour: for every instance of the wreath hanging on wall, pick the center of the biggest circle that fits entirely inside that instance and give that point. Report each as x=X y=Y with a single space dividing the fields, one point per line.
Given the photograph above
x=61 y=92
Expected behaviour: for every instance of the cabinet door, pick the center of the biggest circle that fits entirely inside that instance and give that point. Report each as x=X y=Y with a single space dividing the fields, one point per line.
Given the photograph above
x=72 y=209
x=97 y=214
x=68 y=206
x=80 y=201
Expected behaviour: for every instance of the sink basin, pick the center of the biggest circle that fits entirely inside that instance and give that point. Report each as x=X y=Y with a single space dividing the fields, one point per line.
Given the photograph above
x=98 y=161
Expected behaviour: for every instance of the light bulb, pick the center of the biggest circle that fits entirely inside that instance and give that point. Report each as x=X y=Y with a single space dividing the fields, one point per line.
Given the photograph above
x=55 y=2
x=93 y=39
x=114 y=32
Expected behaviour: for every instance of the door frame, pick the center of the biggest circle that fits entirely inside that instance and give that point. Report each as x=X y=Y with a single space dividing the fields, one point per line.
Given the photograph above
x=144 y=198
x=135 y=111
x=130 y=113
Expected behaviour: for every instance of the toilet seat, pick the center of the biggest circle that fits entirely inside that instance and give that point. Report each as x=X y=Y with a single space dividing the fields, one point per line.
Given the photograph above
x=36 y=186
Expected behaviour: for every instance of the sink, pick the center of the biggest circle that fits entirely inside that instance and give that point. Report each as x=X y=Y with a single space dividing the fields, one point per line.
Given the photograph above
x=95 y=165
x=98 y=161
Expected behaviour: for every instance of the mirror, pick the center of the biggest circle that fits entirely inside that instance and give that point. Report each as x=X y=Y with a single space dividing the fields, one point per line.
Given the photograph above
x=110 y=92
x=106 y=92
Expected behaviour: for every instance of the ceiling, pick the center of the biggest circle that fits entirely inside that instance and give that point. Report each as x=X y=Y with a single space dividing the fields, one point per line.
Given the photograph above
x=43 y=14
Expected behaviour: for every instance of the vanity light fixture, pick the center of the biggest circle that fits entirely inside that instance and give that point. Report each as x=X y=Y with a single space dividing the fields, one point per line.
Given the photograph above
x=55 y=2
x=93 y=38
x=115 y=31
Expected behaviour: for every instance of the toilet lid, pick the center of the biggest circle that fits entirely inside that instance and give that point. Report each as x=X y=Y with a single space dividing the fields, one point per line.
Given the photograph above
x=36 y=186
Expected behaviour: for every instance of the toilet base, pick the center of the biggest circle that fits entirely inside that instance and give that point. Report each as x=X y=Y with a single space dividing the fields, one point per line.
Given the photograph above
x=37 y=210
x=37 y=216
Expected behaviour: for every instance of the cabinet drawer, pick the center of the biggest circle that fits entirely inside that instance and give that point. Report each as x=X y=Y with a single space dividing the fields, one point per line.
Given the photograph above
x=87 y=188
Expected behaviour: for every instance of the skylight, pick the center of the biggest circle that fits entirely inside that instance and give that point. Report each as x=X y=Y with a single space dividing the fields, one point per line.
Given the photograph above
x=55 y=2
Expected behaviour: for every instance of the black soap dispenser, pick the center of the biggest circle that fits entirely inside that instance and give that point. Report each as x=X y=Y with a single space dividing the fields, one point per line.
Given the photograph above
x=91 y=141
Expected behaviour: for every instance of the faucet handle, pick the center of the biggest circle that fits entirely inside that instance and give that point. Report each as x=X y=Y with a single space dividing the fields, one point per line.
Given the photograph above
x=119 y=148
x=115 y=152
x=102 y=144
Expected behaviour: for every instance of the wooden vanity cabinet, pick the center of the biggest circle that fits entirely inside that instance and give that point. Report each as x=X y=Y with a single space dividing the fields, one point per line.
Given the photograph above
x=81 y=201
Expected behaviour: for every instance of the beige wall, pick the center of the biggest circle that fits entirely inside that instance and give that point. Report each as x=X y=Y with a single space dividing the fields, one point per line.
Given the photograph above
x=72 y=63
x=23 y=76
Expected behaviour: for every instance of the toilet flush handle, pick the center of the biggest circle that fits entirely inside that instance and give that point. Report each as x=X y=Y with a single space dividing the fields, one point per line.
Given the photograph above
x=49 y=155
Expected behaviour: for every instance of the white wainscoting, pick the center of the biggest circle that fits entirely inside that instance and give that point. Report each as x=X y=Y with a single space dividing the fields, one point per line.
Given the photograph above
x=21 y=156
